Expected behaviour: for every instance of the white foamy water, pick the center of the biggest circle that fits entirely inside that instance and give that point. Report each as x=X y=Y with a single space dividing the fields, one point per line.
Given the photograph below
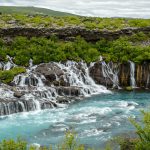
x=37 y=95
x=102 y=8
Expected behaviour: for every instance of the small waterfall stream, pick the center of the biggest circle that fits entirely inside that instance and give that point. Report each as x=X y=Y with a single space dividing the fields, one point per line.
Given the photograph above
x=132 y=74
x=148 y=81
x=111 y=71
x=8 y=65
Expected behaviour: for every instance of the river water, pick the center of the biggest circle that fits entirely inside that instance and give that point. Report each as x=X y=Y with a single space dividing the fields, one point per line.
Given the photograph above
x=96 y=119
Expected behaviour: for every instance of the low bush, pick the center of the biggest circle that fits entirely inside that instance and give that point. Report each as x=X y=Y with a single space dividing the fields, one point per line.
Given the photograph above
x=6 y=76
x=43 y=50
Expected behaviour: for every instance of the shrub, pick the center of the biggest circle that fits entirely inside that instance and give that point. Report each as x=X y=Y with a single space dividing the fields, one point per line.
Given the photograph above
x=7 y=76
x=13 y=145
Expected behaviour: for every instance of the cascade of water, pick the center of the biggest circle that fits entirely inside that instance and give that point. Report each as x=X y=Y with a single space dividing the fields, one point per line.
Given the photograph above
x=22 y=106
x=77 y=74
x=9 y=64
x=148 y=79
x=30 y=63
x=36 y=95
x=111 y=72
x=132 y=74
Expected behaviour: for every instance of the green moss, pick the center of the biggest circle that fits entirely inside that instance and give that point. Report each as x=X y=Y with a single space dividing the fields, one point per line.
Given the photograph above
x=7 y=76
x=129 y=88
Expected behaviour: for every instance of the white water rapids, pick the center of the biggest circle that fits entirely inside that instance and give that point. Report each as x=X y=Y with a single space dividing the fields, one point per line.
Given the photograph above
x=37 y=95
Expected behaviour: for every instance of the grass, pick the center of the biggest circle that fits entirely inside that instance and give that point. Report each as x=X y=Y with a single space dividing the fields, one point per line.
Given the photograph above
x=40 y=17
x=31 y=10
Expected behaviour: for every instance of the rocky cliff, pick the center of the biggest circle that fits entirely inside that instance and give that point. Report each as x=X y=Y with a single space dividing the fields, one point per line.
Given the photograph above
x=121 y=75
x=70 y=33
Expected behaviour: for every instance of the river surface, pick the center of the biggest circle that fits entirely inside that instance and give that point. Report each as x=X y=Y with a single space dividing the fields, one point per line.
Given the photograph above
x=96 y=119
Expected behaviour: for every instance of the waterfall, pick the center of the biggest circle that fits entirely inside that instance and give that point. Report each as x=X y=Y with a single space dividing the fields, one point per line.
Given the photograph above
x=111 y=71
x=30 y=63
x=36 y=95
x=9 y=64
x=132 y=74
x=77 y=74
x=147 y=83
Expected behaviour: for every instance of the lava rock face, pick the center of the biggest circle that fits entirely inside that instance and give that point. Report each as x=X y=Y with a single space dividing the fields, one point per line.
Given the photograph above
x=97 y=74
x=51 y=72
x=141 y=75
x=69 y=33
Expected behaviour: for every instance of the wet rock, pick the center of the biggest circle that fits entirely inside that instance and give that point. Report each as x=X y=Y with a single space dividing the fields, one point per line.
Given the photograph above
x=67 y=33
x=124 y=75
x=18 y=94
x=48 y=104
x=53 y=74
x=97 y=74
x=50 y=71
x=141 y=75
x=68 y=91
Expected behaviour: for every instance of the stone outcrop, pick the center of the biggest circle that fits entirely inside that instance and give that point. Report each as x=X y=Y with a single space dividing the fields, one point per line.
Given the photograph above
x=97 y=74
x=68 y=91
x=18 y=94
x=52 y=72
x=69 y=33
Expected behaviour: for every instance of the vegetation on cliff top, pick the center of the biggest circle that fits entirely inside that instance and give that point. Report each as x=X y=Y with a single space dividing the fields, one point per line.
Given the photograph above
x=135 y=48
x=55 y=21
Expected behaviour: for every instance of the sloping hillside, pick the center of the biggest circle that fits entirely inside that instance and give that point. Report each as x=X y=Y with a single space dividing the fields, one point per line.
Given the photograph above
x=31 y=10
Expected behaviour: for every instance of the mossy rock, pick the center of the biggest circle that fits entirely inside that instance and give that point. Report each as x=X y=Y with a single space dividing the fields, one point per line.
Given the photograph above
x=129 y=88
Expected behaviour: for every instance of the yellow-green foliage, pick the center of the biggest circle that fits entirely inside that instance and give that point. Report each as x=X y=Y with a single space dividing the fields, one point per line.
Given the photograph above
x=143 y=132
x=13 y=145
x=71 y=21
x=7 y=76
x=43 y=50
x=142 y=141
x=70 y=142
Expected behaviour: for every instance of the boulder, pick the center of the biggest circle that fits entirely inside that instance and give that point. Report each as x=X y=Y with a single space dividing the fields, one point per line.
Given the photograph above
x=52 y=73
x=18 y=94
x=49 y=70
